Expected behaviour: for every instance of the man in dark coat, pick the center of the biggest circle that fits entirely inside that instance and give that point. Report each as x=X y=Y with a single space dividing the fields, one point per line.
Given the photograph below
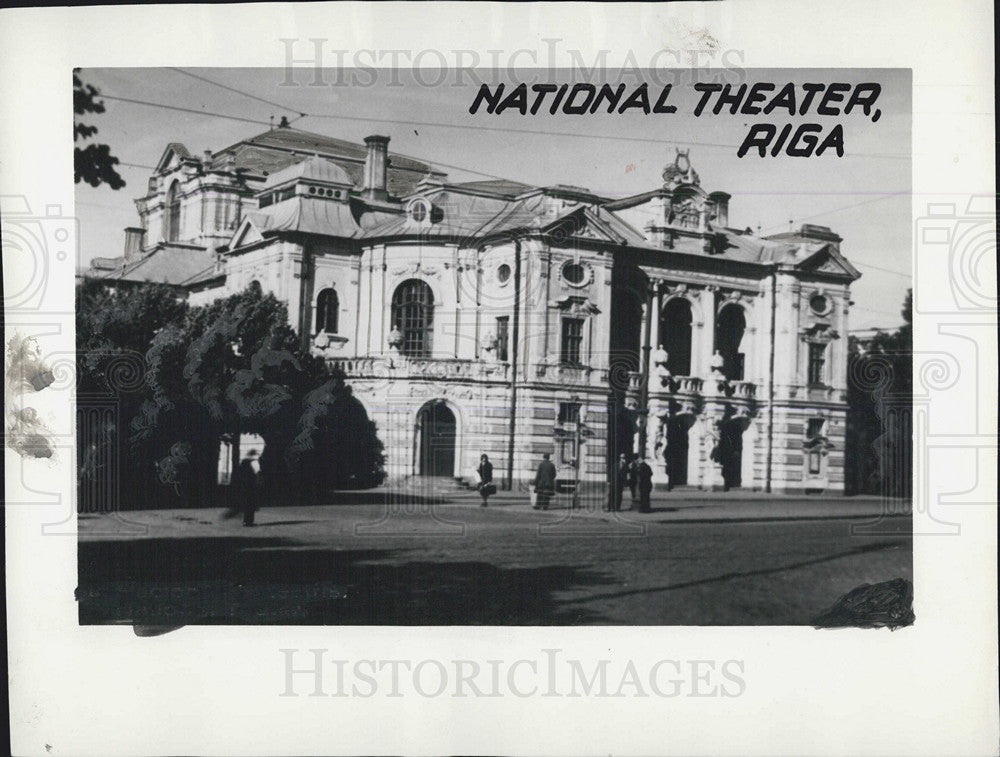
x=644 y=476
x=633 y=476
x=245 y=488
x=619 y=480
x=485 y=478
x=545 y=483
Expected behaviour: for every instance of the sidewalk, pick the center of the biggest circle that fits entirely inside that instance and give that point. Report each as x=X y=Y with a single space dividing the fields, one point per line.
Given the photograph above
x=702 y=506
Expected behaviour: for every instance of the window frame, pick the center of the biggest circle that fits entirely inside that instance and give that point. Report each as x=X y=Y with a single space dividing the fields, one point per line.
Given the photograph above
x=816 y=359
x=327 y=308
x=172 y=212
x=571 y=342
x=503 y=338
x=414 y=317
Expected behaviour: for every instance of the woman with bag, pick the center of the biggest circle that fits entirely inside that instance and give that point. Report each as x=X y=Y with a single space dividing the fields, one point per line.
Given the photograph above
x=486 y=487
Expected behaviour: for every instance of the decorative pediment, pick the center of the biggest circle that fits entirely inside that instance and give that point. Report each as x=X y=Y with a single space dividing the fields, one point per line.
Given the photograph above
x=247 y=233
x=172 y=156
x=581 y=224
x=828 y=260
x=575 y=305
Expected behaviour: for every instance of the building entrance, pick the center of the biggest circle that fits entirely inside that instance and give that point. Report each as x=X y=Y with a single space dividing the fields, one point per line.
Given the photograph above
x=435 y=440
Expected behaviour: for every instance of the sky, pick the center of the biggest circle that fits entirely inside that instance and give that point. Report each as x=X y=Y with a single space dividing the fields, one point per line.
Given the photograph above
x=864 y=196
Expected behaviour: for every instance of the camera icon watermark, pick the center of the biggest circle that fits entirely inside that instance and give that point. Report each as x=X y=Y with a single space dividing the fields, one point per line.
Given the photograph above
x=32 y=243
x=957 y=245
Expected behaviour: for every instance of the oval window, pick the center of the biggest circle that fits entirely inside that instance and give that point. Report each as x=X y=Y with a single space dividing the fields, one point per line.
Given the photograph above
x=574 y=273
x=503 y=273
x=418 y=212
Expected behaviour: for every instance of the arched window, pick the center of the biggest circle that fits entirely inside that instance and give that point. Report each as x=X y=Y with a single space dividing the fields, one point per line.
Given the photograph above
x=172 y=221
x=675 y=335
x=327 y=305
x=730 y=329
x=413 y=315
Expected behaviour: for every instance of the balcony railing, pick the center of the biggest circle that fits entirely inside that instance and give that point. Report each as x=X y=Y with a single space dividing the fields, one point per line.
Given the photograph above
x=400 y=367
x=696 y=386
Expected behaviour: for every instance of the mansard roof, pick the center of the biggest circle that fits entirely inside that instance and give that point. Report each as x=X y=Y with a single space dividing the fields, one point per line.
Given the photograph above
x=278 y=148
x=307 y=215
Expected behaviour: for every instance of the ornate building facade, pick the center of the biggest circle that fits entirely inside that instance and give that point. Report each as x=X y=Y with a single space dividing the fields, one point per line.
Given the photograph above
x=500 y=318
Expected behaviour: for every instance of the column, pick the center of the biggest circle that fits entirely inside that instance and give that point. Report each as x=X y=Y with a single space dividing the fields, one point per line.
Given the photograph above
x=705 y=345
x=648 y=318
x=657 y=310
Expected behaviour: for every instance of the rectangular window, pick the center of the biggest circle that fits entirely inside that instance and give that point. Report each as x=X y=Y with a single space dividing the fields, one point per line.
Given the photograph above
x=503 y=338
x=567 y=452
x=814 y=463
x=572 y=341
x=817 y=361
x=569 y=413
x=815 y=428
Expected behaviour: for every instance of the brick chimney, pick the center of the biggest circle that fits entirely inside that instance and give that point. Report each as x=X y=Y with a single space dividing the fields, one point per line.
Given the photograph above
x=376 y=167
x=721 y=202
x=133 y=243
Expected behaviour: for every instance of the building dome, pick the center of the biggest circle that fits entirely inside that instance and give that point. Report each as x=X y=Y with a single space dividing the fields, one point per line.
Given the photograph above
x=313 y=169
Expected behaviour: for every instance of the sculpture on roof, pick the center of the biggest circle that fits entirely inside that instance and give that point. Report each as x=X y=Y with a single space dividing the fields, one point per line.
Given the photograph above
x=680 y=171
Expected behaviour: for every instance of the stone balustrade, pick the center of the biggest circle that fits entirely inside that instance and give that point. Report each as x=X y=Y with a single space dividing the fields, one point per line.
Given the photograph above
x=399 y=367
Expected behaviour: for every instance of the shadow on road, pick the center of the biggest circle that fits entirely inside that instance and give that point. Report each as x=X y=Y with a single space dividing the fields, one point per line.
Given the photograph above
x=746 y=574
x=266 y=580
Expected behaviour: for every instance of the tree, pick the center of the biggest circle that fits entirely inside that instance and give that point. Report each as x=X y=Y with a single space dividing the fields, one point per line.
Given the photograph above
x=183 y=379
x=236 y=367
x=114 y=328
x=94 y=163
x=880 y=409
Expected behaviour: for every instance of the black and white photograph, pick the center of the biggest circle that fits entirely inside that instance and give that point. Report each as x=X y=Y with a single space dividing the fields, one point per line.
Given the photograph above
x=500 y=378
x=436 y=368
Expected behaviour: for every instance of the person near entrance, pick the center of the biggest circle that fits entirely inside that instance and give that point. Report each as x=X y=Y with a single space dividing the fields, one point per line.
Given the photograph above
x=545 y=483
x=644 y=482
x=619 y=479
x=486 y=486
x=633 y=477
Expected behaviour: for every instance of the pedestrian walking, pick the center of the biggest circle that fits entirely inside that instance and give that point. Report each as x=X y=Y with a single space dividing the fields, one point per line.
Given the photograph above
x=644 y=480
x=545 y=483
x=245 y=488
x=486 y=486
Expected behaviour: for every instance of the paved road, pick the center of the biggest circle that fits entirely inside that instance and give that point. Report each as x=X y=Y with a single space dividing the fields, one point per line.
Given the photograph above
x=694 y=560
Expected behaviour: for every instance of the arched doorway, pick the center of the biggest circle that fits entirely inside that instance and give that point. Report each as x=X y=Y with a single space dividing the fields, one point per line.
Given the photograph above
x=675 y=335
x=435 y=440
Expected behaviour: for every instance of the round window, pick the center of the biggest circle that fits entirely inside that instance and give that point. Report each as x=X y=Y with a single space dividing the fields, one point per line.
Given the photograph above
x=574 y=273
x=503 y=273
x=418 y=212
x=819 y=303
